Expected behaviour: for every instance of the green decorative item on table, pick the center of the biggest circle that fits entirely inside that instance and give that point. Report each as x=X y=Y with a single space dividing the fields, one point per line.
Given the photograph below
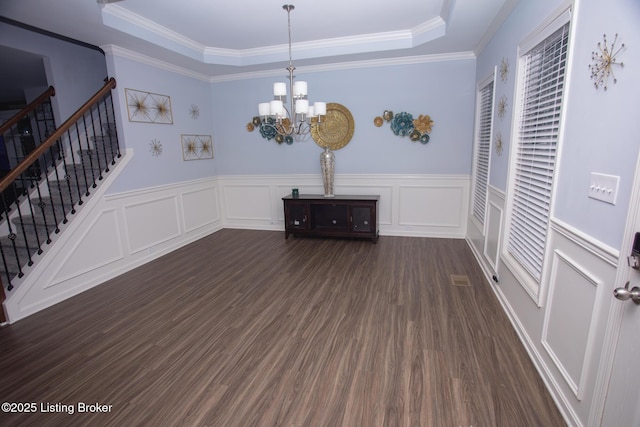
x=403 y=124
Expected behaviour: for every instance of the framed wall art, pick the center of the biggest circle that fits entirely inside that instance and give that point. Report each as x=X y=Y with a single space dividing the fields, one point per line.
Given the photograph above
x=196 y=147
x=147 y=107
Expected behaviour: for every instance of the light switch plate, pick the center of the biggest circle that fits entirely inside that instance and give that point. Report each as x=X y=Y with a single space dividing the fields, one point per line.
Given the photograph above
x=604 y=187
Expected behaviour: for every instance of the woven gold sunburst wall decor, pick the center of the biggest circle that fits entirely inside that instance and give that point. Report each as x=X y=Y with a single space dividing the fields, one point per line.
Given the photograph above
x=603 y=59
x=196 y=147
x=147 y=107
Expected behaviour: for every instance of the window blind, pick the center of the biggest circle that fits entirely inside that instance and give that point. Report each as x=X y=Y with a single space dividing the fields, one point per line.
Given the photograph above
x=541 y=102
x=483 y=147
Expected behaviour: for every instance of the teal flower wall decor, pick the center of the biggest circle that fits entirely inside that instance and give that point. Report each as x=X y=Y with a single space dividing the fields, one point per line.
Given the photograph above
x=403 y=124
x=268 y=131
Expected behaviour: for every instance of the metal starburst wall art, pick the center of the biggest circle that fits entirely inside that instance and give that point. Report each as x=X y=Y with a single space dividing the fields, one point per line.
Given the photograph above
x=603 y=59
x=155 y=147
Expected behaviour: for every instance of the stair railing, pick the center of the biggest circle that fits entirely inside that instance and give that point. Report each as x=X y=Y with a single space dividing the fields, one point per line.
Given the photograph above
x=44 y=189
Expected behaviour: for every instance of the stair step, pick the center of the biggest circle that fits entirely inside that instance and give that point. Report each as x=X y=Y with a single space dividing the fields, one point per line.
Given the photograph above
x=10 y=257
x=35 y=234
x=65 y=194
x=44 y=216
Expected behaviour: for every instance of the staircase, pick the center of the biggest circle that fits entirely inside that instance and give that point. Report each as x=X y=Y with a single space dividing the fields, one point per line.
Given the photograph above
x=45 y=190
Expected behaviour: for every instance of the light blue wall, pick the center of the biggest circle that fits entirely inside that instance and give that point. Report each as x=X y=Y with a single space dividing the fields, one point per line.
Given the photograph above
x=600 y=131
x=525 y=17
x=444 y=90
x=76 y=72
x=146 y=170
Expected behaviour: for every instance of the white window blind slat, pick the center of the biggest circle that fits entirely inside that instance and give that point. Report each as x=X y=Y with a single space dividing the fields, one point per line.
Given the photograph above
x=536 y=149
x=483 y=147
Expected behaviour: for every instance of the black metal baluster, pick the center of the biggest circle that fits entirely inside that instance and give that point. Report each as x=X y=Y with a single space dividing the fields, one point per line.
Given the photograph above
x=95 y=150
x=6 y=268
x=23 y=226
x=53 y=154
x=73 y=162
x=90 y=156
x=4 y=256
x=103 y=138
x=82 y=156
x=66 y=179
x=13 y=233
x=35 y=226
x=115 y=130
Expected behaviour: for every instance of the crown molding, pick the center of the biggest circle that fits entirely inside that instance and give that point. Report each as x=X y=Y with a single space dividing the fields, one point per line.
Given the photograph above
x=386 y=62
x=120 y=19
x=338 y=66
x=153 y=62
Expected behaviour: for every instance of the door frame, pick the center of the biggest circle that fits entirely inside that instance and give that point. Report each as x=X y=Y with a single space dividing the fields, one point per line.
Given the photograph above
x=616 y=310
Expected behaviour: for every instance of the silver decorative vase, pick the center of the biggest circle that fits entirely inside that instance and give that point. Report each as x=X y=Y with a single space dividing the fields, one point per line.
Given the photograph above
x=327 y=163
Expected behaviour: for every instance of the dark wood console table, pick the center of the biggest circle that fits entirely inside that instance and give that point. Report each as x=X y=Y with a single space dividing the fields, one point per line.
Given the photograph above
x=339 y=216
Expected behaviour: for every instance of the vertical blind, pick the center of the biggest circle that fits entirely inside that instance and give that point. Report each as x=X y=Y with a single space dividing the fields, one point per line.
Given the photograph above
x=543 y=85
x=483 y=141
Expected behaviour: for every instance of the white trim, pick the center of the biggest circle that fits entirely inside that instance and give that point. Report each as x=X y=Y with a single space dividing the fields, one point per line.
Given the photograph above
x=153 y=62
x=563 y=405
x=490 y=79
x=606 y=253
x=352 y=65
x=497 y=192
x=339 y=66
x=495 y=258
x=121 y=19
x=402 y=210
x=41 y=288
x=616 y=310
x=535 y=288
x=550 y=25
x=576 y=388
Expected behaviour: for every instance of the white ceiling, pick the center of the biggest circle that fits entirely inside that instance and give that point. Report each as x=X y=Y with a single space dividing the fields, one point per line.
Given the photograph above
x=217 y=38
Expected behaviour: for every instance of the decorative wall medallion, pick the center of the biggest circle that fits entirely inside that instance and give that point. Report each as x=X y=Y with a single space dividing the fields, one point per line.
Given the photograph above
x=504 y=70
x=155 y=147
x=337 y=128
x=194 y=111
x=502 y=106
x=498 y=143
x=603 y=59
x=148 y=107
x=196 y=147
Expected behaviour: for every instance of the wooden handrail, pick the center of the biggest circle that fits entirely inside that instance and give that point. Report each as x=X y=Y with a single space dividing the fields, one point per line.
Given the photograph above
x=40 y=150
x=29 y=108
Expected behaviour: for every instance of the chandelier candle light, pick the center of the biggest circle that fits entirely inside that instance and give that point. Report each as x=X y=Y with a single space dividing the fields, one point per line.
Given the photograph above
x=294 y=121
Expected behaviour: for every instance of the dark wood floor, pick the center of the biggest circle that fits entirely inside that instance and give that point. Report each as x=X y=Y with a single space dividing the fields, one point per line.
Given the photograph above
x=245 y=328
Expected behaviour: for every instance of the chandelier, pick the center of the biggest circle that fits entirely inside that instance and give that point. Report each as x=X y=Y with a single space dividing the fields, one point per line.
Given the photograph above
x=294 y=121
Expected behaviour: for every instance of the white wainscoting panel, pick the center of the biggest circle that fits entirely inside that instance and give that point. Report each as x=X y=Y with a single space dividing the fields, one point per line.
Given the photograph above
x=81 y=257
x=112 y=234
x=432 y=207
x=494 y=234
x=567 y=322
x=410 y=205
x=200 y=208
x=244 y=202
x=151 y=222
